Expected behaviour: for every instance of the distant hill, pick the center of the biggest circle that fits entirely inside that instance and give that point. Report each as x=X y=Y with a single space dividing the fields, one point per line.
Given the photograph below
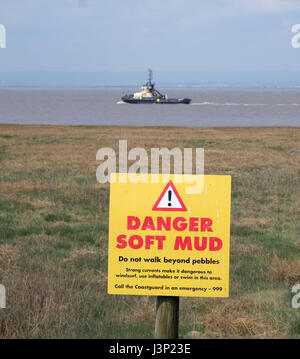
x=269 y=79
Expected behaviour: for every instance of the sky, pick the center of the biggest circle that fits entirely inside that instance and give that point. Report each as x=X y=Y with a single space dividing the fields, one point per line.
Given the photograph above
x=132 y=35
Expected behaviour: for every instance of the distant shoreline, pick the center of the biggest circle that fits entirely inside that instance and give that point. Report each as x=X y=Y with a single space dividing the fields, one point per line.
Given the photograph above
x=162 y=78
x=164 y=86
x=120 y=127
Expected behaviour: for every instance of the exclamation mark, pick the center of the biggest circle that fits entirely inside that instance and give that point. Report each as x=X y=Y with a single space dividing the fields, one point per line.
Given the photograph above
x=169 y=197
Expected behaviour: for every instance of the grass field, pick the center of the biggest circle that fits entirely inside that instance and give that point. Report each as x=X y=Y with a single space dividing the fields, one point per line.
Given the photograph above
x=54 y=234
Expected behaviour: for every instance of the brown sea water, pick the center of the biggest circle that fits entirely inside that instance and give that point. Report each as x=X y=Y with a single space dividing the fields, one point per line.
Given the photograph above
x=209 y=107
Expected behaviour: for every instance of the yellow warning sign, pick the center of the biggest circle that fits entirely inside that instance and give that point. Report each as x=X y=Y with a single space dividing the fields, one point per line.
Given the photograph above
x=165 y=241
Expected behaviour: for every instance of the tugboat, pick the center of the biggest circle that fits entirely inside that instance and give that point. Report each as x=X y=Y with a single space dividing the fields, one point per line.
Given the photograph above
x=149 y=94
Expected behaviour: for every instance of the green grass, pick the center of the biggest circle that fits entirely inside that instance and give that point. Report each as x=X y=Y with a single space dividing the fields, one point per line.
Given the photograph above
x=45 y=140
x=51 y=236
x=54 y=247
x=54 y=217
x=52 y=140
x=7 y=137
x=295 y=327
x=2 y=152
x=280 y=148
x=202 y=143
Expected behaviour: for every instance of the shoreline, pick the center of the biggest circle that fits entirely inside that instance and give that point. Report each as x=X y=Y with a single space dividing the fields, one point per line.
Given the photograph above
x=148 y=127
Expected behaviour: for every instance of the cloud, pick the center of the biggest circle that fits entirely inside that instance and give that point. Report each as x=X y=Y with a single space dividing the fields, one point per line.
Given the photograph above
x=80 y=34
x=41 y=12
x=269 y=6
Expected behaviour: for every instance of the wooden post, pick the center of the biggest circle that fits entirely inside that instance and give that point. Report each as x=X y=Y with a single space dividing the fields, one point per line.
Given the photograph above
x=167 y=318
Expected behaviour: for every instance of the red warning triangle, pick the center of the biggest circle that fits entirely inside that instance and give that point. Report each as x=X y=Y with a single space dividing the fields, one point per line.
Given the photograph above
x=169 y=200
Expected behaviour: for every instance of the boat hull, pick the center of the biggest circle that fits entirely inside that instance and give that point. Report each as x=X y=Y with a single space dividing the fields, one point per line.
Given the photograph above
x=161 y=101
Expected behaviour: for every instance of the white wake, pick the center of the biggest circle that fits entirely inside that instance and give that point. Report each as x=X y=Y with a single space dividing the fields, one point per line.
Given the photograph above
x=242 y=104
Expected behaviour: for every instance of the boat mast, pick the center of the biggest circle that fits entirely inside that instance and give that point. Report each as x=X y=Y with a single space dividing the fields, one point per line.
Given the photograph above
x=151 y=87
x=150 y=76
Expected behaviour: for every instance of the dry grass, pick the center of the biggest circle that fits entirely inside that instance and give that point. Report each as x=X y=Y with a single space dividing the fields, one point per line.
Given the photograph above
x=286 y=271
x=139 y=310
x=247 y=249
x=80 y=254
x=8 y=253
x=40 y=308
x=233 y=147
x=240 y=318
